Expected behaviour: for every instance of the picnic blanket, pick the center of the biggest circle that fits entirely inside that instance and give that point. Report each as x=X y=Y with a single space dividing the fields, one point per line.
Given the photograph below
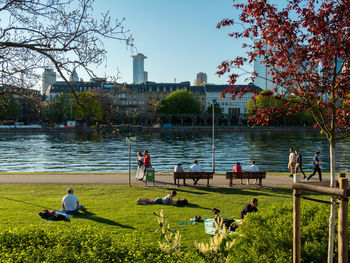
x=209 y=226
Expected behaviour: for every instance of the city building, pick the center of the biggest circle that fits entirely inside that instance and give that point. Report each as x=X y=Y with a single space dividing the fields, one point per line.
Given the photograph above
x=264 y=77
x=201 y=79
x=48 y=78
x=228 y=106
x=98 y=84
x=139 y=75
x=74 y=76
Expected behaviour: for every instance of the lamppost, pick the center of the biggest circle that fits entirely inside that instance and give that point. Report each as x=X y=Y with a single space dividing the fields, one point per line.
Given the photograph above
x=213 y=102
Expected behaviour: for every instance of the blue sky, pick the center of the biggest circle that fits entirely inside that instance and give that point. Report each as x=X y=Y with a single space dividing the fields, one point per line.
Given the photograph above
x=179 y=38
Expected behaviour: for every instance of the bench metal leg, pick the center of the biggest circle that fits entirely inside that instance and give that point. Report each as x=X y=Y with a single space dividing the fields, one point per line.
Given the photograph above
x=260 y=181
x=184 y=182
x=208 y=182
x=230 y=182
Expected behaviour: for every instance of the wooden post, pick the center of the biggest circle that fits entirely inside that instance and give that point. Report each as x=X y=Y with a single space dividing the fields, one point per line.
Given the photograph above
x=343 y=224
x=296 y=226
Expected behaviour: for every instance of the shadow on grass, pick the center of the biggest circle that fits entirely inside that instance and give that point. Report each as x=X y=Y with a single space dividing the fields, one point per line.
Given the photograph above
x=197 y=206
x=184 y=190
x=236 y=191
x=91 y=216
x=27 y=203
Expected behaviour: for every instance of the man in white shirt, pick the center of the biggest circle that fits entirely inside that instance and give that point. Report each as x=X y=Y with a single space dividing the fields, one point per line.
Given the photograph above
x=254 y=168
x=196 y=169
x=291 y=161
x=70 y=203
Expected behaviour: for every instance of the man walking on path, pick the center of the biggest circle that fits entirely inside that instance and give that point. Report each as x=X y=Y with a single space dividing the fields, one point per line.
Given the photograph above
x=291 y=161
x=317 y=168
x=299 y=163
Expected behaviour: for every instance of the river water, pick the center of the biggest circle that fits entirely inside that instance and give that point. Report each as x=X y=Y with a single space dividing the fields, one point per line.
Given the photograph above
x=88 y=152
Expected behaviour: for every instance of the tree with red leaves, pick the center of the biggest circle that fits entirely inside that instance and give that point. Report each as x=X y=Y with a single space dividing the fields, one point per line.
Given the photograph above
x=306 y=46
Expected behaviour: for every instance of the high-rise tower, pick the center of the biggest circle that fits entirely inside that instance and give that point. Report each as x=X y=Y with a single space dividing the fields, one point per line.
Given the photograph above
x=48 y=78
x=139 y=75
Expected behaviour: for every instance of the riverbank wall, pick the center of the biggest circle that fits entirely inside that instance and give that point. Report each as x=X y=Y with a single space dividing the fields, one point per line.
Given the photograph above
x=140 y=129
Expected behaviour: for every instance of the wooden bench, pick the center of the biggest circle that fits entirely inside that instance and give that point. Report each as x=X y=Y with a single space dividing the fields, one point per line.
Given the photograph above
x=192 y=175
x=246 y=175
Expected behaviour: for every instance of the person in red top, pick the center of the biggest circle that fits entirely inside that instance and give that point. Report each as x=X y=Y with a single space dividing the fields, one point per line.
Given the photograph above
x=238 y=169
x=146 y=162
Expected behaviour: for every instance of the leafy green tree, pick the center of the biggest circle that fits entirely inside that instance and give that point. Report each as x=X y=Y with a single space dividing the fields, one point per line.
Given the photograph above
x=88 y=104
x=261 y=101
x=180 y=101
x=9 y=109
x=217 y=109
x=61 y=108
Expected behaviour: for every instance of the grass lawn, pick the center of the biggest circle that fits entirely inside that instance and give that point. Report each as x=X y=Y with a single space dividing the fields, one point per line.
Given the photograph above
x=112 y=208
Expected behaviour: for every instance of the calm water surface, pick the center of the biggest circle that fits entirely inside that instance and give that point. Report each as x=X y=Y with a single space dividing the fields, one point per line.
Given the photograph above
x=87 y=152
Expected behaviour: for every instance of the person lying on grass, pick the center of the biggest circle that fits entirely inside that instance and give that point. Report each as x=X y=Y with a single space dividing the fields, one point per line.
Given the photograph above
x=167 y=200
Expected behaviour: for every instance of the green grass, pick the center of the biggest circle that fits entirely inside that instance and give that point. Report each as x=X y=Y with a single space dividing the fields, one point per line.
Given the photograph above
x=112 y=208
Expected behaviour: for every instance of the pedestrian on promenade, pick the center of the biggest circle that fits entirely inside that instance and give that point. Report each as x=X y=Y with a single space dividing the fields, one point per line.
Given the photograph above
x=70 y=203
x=291 y=161
x=299 y=163
x=254 y=168
x=140 y=172
x=317 y=167
x=195 y=168
x=237 y=168
x=147 y=160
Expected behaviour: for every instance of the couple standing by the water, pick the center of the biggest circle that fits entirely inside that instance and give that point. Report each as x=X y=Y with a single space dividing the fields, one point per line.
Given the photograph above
x=143 y=163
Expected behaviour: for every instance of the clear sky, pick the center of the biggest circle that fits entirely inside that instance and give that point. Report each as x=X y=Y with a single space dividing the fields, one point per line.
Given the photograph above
x=178 y=37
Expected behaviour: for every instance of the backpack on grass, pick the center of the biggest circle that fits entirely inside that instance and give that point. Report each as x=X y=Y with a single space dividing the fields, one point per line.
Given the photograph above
x=180 y=203
x=52 y=215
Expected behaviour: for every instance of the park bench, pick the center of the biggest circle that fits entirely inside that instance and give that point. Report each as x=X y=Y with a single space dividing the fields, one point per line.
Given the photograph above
x=192 y=175
x=246 y=175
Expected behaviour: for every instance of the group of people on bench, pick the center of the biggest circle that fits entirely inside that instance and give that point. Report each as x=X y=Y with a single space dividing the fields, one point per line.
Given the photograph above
x=253 y=168
x=236 y=168
x=195 y=168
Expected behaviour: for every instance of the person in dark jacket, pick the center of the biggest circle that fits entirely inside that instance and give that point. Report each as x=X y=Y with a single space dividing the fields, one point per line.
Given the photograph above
x=250 y=208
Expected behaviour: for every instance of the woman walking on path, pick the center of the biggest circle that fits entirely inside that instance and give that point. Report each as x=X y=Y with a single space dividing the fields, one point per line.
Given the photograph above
x=140 y=173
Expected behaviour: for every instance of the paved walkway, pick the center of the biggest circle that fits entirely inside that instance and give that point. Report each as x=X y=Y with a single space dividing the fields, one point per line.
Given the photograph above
x=123 y=179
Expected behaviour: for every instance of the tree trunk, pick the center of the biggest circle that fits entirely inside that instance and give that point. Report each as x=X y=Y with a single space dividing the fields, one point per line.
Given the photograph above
x=333 y=206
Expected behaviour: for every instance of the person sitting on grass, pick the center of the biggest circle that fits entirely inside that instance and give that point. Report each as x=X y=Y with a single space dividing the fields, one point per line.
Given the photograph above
x=167 y=200
x=250 y=208
x=70 y=203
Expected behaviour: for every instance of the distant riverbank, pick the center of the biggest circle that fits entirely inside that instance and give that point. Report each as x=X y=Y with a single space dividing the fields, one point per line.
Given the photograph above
x=138 y=129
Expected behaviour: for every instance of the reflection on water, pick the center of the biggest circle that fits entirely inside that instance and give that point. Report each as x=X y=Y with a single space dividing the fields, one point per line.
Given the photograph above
x=88 y=152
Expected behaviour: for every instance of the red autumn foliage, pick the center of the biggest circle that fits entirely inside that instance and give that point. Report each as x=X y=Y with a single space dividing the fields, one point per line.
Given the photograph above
x=306 y=44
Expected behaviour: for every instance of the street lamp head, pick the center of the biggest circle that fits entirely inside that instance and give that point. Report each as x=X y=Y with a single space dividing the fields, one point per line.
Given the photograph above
x=214 y=101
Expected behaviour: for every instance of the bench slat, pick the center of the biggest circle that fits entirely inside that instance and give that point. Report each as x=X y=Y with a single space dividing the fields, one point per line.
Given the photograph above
x=192 y=175
x=246 y=175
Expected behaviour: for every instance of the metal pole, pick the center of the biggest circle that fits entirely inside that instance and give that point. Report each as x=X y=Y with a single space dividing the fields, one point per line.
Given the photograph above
x=130 y=164
x=213 y=138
